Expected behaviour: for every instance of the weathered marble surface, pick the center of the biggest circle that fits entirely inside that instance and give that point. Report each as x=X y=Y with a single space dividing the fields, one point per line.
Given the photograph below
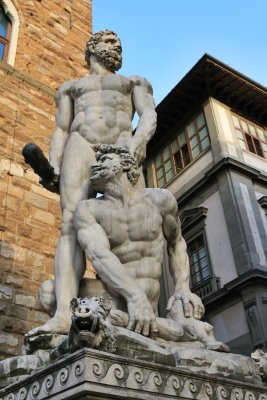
x=260 y=358
x=132 y=347
x=95 y=109
x=94 y=149
x=90 y=374
x=123 y=235
x=15 y=369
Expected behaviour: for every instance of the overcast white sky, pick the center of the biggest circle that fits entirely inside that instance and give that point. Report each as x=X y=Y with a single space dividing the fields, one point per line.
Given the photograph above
x=163 y=39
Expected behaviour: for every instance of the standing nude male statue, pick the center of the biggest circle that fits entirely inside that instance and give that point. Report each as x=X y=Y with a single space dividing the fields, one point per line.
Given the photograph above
x=96 y=109
x=123 y=234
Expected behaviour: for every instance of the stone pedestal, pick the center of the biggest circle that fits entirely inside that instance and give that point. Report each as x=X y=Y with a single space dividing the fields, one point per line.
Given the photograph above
x=90 y=374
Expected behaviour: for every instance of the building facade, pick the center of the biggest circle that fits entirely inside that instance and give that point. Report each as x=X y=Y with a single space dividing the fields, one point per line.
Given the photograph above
x=210 y=151
x=41 y=46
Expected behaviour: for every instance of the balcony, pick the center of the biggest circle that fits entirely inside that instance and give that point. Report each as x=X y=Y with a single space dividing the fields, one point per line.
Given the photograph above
x=206 y=287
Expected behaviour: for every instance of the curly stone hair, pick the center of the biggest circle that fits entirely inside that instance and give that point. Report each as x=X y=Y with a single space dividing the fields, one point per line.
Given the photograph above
x=128 y=162
x=108 y=58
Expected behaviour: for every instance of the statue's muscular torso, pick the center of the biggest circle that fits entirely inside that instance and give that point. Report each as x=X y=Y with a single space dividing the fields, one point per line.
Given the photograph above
x=103 y=108
x=139 y=247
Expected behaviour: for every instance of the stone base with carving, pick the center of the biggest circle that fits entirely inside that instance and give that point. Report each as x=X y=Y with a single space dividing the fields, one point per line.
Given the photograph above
x=91 y=374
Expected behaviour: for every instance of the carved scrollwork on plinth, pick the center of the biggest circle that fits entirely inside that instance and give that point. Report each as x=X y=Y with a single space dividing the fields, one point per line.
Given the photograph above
x=49 y=383
x=120 y=375
x=237 y=394
x=139 y=377
x=201 y=390
x=99 y=369
x=175 y=382
x=157 y=379
x=78 y=369
x=63 y=376
x=222 y=393
x=189 y=388
x=119 y=372
x=11 y=396
x=173 y=385
x=249 y=396
x=35 y=389
x=192 y=387
x=208 y=389
x=22 y=395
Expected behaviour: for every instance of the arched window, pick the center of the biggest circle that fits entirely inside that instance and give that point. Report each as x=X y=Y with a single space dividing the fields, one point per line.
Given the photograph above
x=5 y=34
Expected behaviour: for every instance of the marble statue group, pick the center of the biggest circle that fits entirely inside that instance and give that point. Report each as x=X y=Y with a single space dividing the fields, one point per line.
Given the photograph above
x=107 y=331
x=93 y=150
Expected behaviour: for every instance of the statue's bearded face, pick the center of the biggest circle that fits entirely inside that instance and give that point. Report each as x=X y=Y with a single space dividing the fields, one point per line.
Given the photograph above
x=106 y=169
x=108 y=49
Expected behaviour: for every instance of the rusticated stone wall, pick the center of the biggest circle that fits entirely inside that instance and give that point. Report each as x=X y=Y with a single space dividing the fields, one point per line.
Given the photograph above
x=52 y=38
x=48 y=53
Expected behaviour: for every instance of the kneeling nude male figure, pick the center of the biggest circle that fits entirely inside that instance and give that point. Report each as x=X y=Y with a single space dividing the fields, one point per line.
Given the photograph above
x=96 y=109
x=123 y=234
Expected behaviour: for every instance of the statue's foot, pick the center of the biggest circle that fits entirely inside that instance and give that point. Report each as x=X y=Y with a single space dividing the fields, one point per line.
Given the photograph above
x=57 y=324
x=217 y=346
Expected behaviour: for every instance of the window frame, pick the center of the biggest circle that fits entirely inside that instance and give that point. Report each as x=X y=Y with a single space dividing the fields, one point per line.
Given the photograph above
x=6 y=40
x=163 y=179
x=248 y=138
x=208 y=266
x=193 y=222
x=13 y=16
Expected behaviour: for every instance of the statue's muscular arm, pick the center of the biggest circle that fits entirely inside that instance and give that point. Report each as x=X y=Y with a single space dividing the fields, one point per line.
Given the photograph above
x=95 y=243
x=178 y=258
x=144 y=105
x=64 y=118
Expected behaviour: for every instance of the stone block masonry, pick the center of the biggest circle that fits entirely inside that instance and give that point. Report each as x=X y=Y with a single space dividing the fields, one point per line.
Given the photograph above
x=52 y=38
x=49 y=52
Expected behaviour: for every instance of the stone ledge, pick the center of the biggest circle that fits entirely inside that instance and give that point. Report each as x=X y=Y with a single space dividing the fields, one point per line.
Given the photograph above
x=21 y=76
x=90 y=374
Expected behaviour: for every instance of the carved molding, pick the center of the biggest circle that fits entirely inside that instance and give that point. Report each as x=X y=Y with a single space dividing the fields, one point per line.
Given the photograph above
x=98 y=373
x=263 y=202
x=192 y=217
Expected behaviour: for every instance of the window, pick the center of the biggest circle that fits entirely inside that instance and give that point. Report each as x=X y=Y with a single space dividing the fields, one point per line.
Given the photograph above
x=198 y=258
x=251 y=137
x=5 y=33
x=263 y=203
x=188 y=145
x=9 y=31
x=202 y=279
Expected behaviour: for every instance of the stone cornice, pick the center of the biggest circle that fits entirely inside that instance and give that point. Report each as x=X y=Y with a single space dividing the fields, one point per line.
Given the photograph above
x=93 y=374
x=222 y=165
x=252 y=277
x=21 y=76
